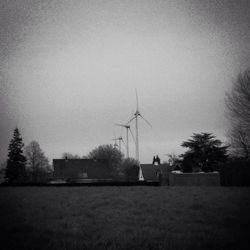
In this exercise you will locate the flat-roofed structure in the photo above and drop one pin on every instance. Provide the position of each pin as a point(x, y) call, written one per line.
point(82, 169)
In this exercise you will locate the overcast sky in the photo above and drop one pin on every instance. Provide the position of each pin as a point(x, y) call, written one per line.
point(69, 69)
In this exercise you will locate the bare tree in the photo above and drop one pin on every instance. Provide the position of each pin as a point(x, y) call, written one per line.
point(173, 159)
point(239, 141)
point(37, 162)
point(238, 107)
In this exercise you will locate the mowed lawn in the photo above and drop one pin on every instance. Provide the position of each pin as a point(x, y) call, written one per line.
point(135, 217)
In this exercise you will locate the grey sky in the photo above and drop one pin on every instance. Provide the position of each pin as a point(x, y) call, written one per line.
point(69, 69)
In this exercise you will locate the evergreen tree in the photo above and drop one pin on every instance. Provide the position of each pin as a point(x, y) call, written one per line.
point(15, 170)
point(204, 152)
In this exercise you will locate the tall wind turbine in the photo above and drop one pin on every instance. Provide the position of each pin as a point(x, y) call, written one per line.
point(137, 114)
point(127, 127)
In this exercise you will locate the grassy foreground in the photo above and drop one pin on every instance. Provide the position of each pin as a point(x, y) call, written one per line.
point(124, 217)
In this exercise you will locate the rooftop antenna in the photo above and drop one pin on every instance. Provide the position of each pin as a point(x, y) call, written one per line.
point(135, 117)
point(128, 129)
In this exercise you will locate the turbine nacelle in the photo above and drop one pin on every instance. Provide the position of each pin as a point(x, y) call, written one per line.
point(137, 113)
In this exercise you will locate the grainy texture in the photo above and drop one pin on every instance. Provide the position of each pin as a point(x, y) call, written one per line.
point(124, 217)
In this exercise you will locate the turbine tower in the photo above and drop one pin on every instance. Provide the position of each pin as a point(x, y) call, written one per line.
point(135, 117)
point(127, 127)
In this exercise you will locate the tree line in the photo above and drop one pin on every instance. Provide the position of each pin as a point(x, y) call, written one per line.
point(30, 165)
point(26, 164)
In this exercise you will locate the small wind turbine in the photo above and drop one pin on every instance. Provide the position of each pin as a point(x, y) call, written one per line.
point(136, 115)
point(119, 139)
point(127, 127)
point(115, 144)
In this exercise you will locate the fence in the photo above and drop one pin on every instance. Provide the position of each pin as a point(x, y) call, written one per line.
point(194, 179)
point(235, 173)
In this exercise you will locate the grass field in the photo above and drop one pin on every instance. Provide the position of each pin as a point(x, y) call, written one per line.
point(125, 217)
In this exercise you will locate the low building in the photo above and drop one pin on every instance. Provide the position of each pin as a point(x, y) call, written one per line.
point(78, 170)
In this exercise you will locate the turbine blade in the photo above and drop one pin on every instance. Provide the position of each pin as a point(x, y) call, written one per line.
point(137, 103)
point(131, 120)
point(123, 141)
point(121, 125)
point(146, 121)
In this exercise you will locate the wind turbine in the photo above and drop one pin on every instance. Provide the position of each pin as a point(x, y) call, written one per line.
point(127, 127)
point(137, 114)
point(119, 139)
point(115, 144)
